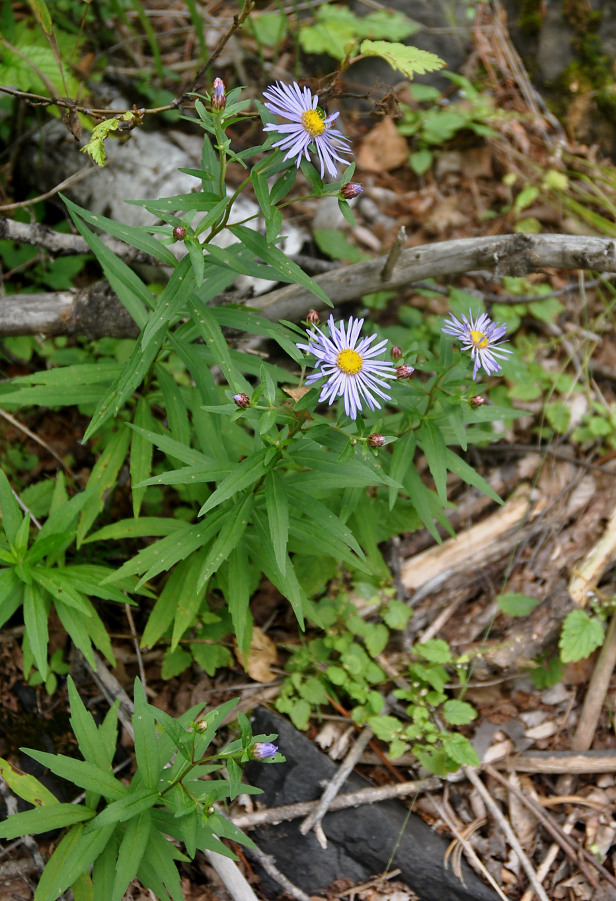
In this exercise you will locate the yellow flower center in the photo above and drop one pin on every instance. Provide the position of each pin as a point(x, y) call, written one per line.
point(349, 362)
point(313, 123)
point(479, 340)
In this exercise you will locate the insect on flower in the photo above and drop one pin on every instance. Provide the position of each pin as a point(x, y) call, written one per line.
point(349, 366)
point(308, 125)
point(482, 337)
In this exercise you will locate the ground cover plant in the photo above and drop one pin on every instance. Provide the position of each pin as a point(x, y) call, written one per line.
point(293, 466)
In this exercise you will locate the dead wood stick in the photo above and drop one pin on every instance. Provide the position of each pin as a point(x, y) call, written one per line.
point(561, 762)
point(596, 692)
point(370, 795)
point(505, 826)
point(333, 787)
point(587, 574)
point(503, 255)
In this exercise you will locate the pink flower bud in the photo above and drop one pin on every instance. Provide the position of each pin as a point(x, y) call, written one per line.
point(312, 317)
point(396, 352)
point(350, 190)
point(179, 233)
point(242, 400)
point(376, 440)
point(219, 100)
point(404, 372)
point(477, 401)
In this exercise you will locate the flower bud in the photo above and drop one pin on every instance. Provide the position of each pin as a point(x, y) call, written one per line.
point(262, 750)
point(242, 400)
point(404, 372)
point(312, 317)
point(376, 440)
point(350, 190)
point(396, 352)
point(219, 100)
point(477, 401)
point(179, 233)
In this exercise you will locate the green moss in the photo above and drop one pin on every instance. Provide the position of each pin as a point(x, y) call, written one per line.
point(530, 19)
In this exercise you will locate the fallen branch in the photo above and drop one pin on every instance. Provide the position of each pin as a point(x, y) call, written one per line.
point(502, 255)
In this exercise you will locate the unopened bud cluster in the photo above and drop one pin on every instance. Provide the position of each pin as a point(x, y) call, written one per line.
point(242, 400)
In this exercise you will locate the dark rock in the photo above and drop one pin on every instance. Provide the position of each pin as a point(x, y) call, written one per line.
point(362, 842)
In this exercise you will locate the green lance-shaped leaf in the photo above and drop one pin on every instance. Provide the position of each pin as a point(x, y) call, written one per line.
point(141, 452)
point(215, 342)
point(26, 786)
point(36, 615)
point(9, 509)
point(237, 594)
point(11, 594)
point(132, 849)
point(157, 870)
point(146, 739)
point(133, 803)
point(434, 448)
point(461, 468)
point(246, 474)
point(287, 270)
point(102, 478)
point(104, 870)
point(409, 60)
point(74, 856)
point(277, 506)
point(55, 583)
point(85, 730)
point(42, 819)
point(230, 535)
point(80, 772)
point(136, 237)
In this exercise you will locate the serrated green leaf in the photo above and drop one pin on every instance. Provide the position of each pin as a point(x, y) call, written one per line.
point(581, 635)
point(264, 558)
point(458, 713)
point(459, 748)
point(25, 786)
point(435, 651)
point(157, 867)
point(409, 60)
point(324, 517)
point(83, 631)
point(55, 583)
point(43, 819)
point(515, 604)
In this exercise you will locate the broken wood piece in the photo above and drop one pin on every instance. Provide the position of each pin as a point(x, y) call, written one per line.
point(596, 692)
point(587, 574)
point(493, 535)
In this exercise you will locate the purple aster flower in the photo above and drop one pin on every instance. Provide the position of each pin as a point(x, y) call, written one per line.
point(349, 367)
point(262, 750)
point(482, 337)
point(307, 125)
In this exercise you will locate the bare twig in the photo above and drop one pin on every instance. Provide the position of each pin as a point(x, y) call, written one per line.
point(268, 864)
point(370, 795)
point(314, 818)
point(596, 692)
point(394, 255)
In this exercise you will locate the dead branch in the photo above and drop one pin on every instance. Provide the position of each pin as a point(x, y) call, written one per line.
point(502, 255)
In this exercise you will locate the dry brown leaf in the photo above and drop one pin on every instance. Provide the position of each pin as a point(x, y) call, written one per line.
point(296, 393)
point(383, 149)
point(261, 656)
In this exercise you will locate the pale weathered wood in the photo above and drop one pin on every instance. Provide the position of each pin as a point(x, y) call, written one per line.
point(502, 255)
